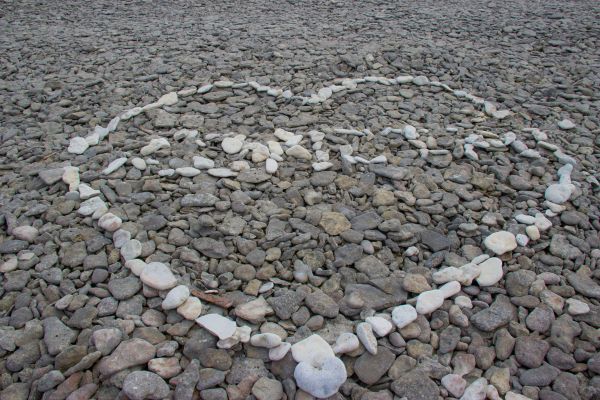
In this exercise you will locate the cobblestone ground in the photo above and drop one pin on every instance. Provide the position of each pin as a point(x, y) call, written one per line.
point(338, 199)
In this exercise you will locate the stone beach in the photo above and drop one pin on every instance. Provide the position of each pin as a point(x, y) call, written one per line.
point(238, 207)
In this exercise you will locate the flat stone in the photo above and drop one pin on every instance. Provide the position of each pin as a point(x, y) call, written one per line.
point(500, 313)
point(129, 353)
point(435, 240)
point(370, 368)
point(158, 276)
point(500, 242)
point(218, 325)
point(57, 336)
point(141, 385)
point(176, 297)
point(334, 223)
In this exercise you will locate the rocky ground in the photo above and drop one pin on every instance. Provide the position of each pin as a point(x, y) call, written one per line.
point(365, 200)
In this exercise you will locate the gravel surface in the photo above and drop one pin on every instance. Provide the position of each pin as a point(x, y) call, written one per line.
point(361, 200)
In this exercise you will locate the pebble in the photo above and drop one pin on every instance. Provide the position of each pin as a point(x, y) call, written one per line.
point(566, 124)
point(158, 276)
point(109, 222)
point(176, 297)
point(500, 242)
point(220, 326)
point(404, 315)
point(559, 193)
point(491, 272)
point(429, 301)
point(78, 145)
point(364, 331)
point(266, 340)
point(346, 343)
point(323, 380)
point(190, 309)
point(140, 385)
point(232, 145)
point(114, 165)
point(381, 326)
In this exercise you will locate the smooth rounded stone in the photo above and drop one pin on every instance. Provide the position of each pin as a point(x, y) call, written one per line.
point(49, 381)
point(346, 343)
point(203, 162)
point(190, 309)
point(267, 389)
point(522, 240)
point(322, 166)
point(141, 385)
point(476, 390)
point(91, 206)
point(271, 166)
point(517, 396)
point(312, 350)
point(364, 331)
point(176, 297)
point(166, 172)
point(577, 307)
point(188, 172)
point(77, 145)
point(404, 315)
point(110, 222)
point(525, 219)
point(158, 276)
point(370, 368)
point(218, 325)
point(322, 380)
point(266, 340)
point(124, 288)
point(559, 193)
point(27, 233)
point(105, 340)
point(463, 302)
point(450, 289)
point(447, 275)
point(500, 242)
point(533, 232)
point(297, 151)
point(428, 302)
point(131, 249)
point(232, 145)
point(566, 124)
point(410, 132)
point(9, 265)
point(154, 146)
point(334, 223)
point(139, 163)
point(381, 326)
point(136, 266)
point(454, 384)
point(114, 165)
point(221, 172)
point(491, 272)
point(277, 353)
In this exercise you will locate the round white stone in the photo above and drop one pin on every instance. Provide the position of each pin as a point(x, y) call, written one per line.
point(403, 315)
point(232, 145)
point(559, 193)
point(501, 242)
point(188, 172)
point(136, 266)
point(203, 162)
point(450, 289)
point(429, 301)
point(78, 145)
point(312, 350)
point(491, 272)
point(267, 340)
point(566, 124)
point(300, 152)
point(131, 249)
point(176, 297)
point(346, 343)
point(139, 163)
point(322, 380)
point(158, 276)
point(381, 326)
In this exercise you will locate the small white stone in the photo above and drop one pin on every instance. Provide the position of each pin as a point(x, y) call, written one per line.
point(525, 219)
point(346, 343)
point(381, 326)
point(300, 152)
point(404, 315)
point(158, 276)
point(410, 132)
point(188, 172)
point(429, 301)
point(168, 99)
point(25, 232)
point(491, 272)
point(566, 124)
point(322, 380)
point(501, 242)
point(294, 140)
point(378, 160)
point(139, 163)
point(559, 193)
point(450, 289)
point(176, 297)
point(77, 145)
point(203, 162)
point(71, 177)
point(136, 266)
point(277, 353)
point(577, 307)
point(364, 331)
point(190, 309)
point(232, 145)
point(166, 172)
point(114, 165)
point(283, 135)
point(275, 147)
point(271, 166)
point(130, 250)
point(110, 222)
point(469, 272)
point(239, 165)
point(522, 240)
point(205, 89)
point(9, 265)
point(447, 275)
point(86, 192)
point(541, 223)
point(154, 145)
point(218, 325)
point(312, 350)
point(267, 340)
point(221, 172)
point(322, 166)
